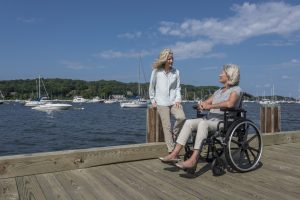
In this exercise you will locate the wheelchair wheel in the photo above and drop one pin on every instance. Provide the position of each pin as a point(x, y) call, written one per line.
point(218, 167)
point(244, 145)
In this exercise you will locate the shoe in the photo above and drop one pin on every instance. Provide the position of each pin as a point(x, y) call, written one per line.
point(190, 170)
point(169, 160)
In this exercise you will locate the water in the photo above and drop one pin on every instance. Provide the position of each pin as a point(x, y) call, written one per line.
point(24, 130)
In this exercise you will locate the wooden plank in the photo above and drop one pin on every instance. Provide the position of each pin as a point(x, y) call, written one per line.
point(111, 184)
point(29, 188)
point(76, 186)
point(101, 182)
point(8, 189)
point(179, 180)
point(52, 188)
point(20, 165)
point(147, 185)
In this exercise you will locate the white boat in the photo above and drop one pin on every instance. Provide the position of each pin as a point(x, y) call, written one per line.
point(33, 103)
point(52, 106)
point(96, 100)
point(2, 98)
point(40, 100)
point(109, 101)
point(134, 104)
point(79, 99)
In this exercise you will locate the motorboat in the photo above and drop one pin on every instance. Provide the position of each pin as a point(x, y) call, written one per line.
point(96, 100)
point(134, 104)
point(52, 106)
point(79, 99)
point(110, 101)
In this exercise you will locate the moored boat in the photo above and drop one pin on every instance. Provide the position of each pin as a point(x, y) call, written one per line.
point(52, 106)
point(134, 104)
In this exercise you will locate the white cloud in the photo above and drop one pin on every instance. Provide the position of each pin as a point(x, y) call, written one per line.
point(134, 35)
point(28, 20)
point(286, 77)
point(250, 20)
point(195, 49)
point(277, 43)
point(119, 54)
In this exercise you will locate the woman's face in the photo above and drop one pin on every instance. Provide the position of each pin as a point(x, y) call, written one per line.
point(169, 62)
point(223, 77)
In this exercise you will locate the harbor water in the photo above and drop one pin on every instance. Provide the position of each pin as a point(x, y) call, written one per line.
point(24, 130)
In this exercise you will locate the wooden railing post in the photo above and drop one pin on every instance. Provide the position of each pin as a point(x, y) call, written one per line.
point(270, 118)
point(154, 126)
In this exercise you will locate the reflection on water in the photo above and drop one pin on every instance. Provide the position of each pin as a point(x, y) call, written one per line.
point(24, 130)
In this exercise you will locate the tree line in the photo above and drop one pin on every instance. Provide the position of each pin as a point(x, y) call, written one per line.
point(68, 88)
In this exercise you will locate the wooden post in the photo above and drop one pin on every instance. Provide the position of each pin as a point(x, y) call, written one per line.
point(270, 118)
point(154, 127)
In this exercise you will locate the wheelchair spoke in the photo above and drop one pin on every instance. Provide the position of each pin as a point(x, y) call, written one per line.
point(236, 142)
point(242, 155)
point(251, 148)
point(251, 138)
point(238, 150)
point(254, 156)
point(248, 157)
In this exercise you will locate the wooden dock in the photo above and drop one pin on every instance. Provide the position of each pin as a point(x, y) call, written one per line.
point(132, 177)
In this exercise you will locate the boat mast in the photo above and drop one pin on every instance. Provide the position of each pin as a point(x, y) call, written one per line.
point(39, 87)
point(139, 83)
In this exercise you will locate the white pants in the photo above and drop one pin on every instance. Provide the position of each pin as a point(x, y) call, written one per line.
point(164, 113)
point(202, 126)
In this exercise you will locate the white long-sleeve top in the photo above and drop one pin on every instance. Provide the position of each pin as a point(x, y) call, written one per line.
point(165, 87)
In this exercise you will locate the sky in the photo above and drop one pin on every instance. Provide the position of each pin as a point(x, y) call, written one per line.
point(109, 39)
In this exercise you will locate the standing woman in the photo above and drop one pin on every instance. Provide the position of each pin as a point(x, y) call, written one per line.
point(164, 92)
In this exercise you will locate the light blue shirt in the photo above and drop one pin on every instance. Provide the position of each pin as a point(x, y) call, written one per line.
point(220, 96)
point(165, 87)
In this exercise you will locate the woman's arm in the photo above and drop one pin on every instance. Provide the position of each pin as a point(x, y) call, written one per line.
point(230, 103)
point(152, 86)
point(178, 89)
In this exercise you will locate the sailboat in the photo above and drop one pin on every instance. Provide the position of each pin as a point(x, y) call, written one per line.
point(39, 100)
point(137, 103)
point(2, 98)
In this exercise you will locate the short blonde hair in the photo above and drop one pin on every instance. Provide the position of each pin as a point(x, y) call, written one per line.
point(162, 59)
point(233, 73)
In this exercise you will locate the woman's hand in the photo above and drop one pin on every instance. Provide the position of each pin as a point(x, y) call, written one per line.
point(204, 105)
point(178, 105)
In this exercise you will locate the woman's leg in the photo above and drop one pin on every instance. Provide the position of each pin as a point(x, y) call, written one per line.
point(204, 127)
point(189, 126)
point(164, 113)
point(179, 119)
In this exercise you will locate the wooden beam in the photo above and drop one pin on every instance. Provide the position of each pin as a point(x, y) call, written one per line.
point(20, 165)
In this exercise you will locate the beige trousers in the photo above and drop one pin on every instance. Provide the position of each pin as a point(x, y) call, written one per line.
point(165, 113)
point(199, 126)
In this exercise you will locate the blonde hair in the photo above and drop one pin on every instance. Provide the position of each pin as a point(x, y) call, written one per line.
point(233, 73)
point(162, 59)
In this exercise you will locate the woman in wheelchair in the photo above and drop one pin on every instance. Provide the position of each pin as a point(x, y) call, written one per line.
point(227, 96)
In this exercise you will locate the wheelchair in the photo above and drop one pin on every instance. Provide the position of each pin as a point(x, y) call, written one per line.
point(236, 145)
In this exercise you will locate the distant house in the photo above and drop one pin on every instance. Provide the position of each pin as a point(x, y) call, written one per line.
point(118, 96)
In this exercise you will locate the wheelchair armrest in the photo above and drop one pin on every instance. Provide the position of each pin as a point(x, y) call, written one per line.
point(232, 109)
